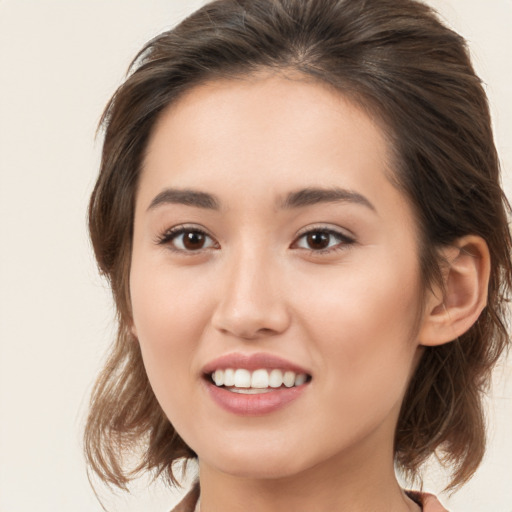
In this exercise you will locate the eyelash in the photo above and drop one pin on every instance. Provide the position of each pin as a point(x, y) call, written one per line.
point(169, 236)
point(344, 241)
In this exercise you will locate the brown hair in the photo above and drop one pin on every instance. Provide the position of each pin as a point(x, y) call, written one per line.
point(395, 59)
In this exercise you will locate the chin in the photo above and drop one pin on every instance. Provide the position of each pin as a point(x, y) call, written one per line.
point(255, 463)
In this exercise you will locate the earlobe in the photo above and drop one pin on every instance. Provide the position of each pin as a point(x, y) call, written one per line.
point(452, 309)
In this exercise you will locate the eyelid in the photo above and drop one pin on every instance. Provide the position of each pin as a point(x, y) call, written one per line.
point(346, 238)
point(167, 236)
point(328, 228)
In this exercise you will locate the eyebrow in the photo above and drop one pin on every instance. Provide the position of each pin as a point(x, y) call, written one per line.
point(187, 197)
point(298, 199)
point(314, 195)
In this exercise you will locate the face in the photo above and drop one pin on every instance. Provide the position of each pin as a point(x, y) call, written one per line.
point(270, 244)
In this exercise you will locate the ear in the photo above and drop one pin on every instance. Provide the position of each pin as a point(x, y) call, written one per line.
point(452, 309)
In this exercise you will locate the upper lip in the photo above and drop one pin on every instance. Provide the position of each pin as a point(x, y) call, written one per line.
point(252, 362)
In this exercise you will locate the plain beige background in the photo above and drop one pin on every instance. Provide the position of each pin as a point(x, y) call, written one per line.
point(60, 60)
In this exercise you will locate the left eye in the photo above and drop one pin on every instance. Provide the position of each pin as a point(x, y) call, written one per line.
point(321, 240)
point(188, 240)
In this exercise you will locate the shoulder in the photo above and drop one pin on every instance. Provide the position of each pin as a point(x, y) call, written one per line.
point(428, 502)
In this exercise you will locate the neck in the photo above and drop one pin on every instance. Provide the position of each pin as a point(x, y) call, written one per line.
point(367, 483)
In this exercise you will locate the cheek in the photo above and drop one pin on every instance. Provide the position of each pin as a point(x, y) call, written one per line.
point(364, 324)
point(168, 313)
point(362, 302)
point(167, 305)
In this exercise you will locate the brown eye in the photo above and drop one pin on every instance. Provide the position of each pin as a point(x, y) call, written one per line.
point(318, 240)
point(193, 240)
point(184, 239)
point(323, 240)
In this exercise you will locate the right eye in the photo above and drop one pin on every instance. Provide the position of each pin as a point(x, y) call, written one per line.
point(323, 240)
point(187, 239)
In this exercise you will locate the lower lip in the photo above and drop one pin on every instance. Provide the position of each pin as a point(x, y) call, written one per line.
point(257, 404)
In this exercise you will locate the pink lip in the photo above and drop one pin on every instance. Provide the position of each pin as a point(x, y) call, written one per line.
point(251, 362)
point(253, 405)
point(257, 404)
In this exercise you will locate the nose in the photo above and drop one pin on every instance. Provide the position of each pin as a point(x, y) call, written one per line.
point(252, 301)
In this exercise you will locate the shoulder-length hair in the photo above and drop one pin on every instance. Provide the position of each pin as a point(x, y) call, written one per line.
point(393, 58)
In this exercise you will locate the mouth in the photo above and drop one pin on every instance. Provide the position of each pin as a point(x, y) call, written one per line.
point(254, 384)
point(262, 380)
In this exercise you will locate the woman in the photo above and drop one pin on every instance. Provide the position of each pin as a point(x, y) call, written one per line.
point(300, 215)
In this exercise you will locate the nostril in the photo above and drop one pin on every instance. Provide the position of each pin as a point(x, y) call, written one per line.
point(251, 313)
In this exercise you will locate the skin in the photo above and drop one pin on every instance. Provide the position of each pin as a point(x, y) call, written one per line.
point(352, 315)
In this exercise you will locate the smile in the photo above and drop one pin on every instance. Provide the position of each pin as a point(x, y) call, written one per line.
point(254, 384)
point(262, 380)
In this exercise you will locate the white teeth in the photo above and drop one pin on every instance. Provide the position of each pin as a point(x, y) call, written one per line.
point(259, 379)
point(218, 377)
point(276, 379)
point(289, 379)
point(242, 378)
point(229, 377)
point(299, 379)
point(251, 391)
point(244, 381)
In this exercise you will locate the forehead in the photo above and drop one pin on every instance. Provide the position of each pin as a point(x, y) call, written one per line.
point(267, 108)
point(266, 135)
